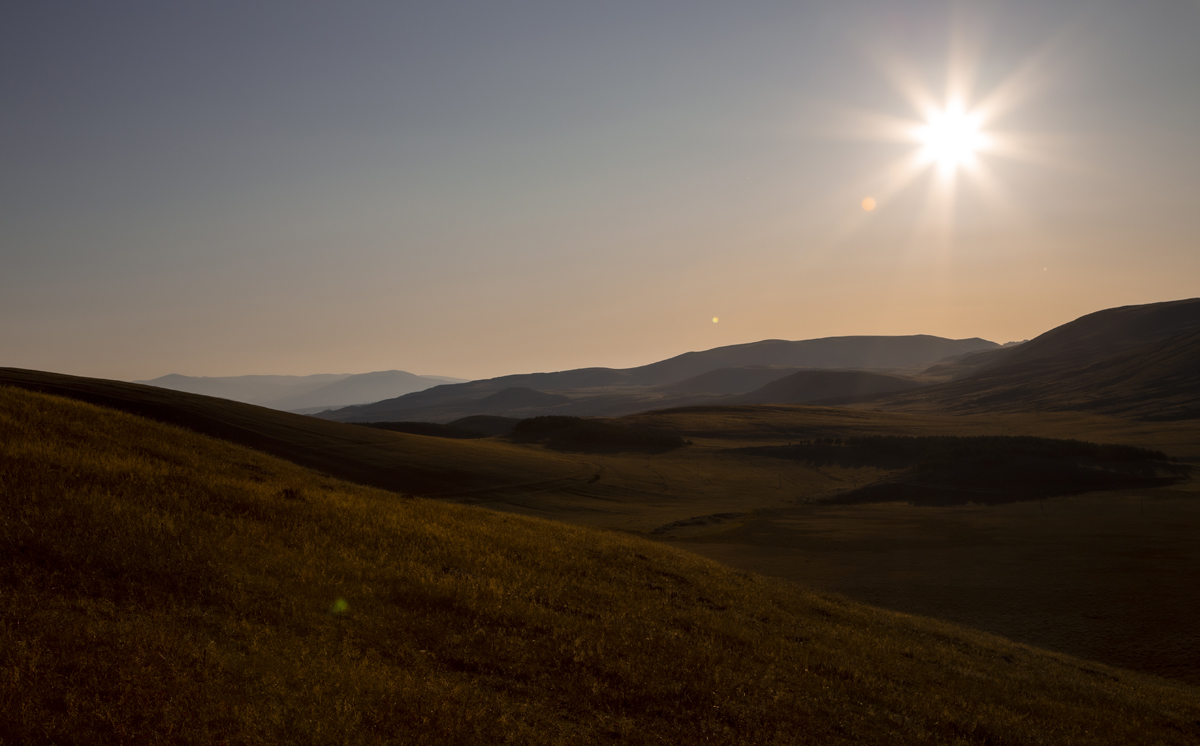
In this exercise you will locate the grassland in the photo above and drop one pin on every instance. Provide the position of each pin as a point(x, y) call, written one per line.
point(160, 586)
point(1106, 576)
point(1094, 607)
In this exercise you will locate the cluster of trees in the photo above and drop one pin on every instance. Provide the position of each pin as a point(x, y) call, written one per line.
point(428, 428)
point(561, 430)
point(933, 451)
point(944, 469)
point(555, 430)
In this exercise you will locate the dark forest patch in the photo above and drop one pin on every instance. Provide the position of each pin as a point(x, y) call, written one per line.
point(949, 470)
point(579, 433)
point(432, 429)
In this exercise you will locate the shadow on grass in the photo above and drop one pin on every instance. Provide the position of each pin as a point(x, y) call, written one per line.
point(580, 435)
point(950, 470)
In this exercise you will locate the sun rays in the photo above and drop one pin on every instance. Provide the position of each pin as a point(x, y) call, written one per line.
point(952, 138)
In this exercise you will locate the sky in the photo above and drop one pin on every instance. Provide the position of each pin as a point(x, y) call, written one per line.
point(475, 189)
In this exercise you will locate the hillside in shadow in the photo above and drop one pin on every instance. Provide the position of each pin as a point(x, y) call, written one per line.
point(989, 470)
point(161, 586)
point(1131, 362)
point(821, 385)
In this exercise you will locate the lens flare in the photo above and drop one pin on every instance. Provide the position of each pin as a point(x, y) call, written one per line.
point(951, 136)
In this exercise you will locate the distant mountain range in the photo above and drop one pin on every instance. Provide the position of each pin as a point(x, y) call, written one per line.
point(1137, 361)
point(713, 376)
point(304, 393)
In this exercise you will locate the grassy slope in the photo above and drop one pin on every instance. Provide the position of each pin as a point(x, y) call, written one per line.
point(395, 461)
point(161, 586)
point(1153, 381)
point(629, 490)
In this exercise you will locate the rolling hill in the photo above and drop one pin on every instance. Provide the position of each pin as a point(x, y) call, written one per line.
point(291, 393)
point(820, 385)
point(165, 587)
point(691, 378)
point(359, 389)
point(395, 461)
point(249, 389)
point(829, 352)
point(723, 473)
point(1103, 334)
point(724, 381)
point(1134, 361)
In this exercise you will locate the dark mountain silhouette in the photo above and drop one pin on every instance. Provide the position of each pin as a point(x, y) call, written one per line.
point(519, 397)
point(961, 366)
point(1106, 333)
point(1138, 361)
point(819, 385)
point(612, 392)
point(828, 352)
point(728, 380)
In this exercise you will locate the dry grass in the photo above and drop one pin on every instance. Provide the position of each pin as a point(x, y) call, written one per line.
point(158, 586)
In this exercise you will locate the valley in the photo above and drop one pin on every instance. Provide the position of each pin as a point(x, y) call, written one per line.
point(1064, 524)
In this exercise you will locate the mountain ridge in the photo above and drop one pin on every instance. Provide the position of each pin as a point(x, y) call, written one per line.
point(650, 386)
point(1133, 361)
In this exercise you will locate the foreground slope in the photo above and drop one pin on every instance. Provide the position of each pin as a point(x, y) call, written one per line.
point(161, 586)
point(395, 461)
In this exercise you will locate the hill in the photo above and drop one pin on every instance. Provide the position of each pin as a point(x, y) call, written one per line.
point(1103, 334)
point(828, 352)
point(819, 385)
point(729, 380)
point(1133, 361)
point(164, 587)
point(683, 380)
point(359, 389)
point(291, 393)
point(390, 460)
point(770, 507)
point(249, 389)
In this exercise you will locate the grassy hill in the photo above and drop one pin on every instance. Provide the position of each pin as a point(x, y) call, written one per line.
point(636, 491)
point(160, 586)
point(1156, 380)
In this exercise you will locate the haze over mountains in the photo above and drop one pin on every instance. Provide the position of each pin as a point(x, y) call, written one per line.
point(690, 378)
point(1135, 360)
point(303, 393)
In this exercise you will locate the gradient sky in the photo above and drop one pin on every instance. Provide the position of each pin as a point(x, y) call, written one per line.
point(480, 188)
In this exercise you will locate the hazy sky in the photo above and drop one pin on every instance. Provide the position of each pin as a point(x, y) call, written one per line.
point(481, 188)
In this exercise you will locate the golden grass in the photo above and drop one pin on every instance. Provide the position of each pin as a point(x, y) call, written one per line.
point(159, 586)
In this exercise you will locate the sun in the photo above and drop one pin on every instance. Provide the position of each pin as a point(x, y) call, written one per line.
point(951, 137)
